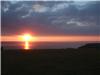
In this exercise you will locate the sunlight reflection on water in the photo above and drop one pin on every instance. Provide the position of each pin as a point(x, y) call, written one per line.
point(26, 45)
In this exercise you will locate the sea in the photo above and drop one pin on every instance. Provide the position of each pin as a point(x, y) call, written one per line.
point(43, 45)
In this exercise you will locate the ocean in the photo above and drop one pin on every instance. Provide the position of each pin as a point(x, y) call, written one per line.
point(43, 45)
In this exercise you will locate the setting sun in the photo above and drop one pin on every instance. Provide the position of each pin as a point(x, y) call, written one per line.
point(27, 37)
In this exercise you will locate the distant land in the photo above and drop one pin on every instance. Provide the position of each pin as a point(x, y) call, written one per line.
point(84, 60)
point(91, 45)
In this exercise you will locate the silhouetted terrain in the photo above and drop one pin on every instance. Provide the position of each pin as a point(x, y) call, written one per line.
point(81, 61)
point(91, 45)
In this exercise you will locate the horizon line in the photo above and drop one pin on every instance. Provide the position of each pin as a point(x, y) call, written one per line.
point(66, 38)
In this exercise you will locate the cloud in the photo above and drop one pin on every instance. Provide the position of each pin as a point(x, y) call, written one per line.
point(65, 22)
point(77, 23)
point(80, 4)
point(6, 7)
point(40, 8)
point(25, 16)
point(28, 14)
point(70, 20)
point(74, 21)
point(59, 7)
point(21, 7)
point(13, 1)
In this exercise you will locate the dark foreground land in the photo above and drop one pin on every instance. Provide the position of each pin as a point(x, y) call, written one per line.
point(82, 61)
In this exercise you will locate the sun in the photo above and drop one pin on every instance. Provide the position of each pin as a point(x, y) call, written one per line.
point(27, 37)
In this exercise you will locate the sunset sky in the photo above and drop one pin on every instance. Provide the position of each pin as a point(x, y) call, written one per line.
point(51, 18)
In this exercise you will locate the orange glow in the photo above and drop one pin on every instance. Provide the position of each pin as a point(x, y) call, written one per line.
point(27, 37)
point(26, 45)
point(70, 38)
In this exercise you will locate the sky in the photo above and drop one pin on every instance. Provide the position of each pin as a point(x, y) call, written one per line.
point(50, 17)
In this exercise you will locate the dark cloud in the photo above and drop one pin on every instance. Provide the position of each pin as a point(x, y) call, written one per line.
point(51, 18)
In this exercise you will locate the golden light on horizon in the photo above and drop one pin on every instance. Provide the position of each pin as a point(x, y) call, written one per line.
point(26, 45)
point(27, 38)
point(66, 38)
